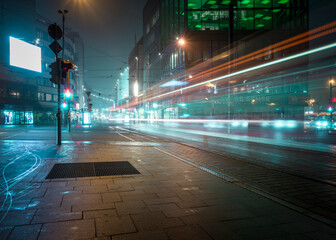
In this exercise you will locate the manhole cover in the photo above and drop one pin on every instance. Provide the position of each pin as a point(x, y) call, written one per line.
point(92, 169)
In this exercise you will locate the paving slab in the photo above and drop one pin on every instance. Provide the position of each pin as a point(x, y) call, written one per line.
point(29, 232)
point(78, 229)
point(114, 225)
point(170, 199)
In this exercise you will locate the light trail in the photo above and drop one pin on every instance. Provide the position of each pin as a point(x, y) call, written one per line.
point(270, 122)
point(293, 41)
point(288, 143)
point(13, 181)
point(285, 44)
point(306, 53)
point(11, 162)
point(8, 193)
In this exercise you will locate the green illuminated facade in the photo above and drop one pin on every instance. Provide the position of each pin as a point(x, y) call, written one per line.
point(247, 14)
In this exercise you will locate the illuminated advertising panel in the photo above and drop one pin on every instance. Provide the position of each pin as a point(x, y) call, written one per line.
point(86, 118)
point(24, 55)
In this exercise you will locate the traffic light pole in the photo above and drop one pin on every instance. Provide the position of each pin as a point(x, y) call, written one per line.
point(68, 78)
point(59, 124)
point(69, 115)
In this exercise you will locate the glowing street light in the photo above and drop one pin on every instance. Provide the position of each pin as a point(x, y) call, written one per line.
point(181, 42)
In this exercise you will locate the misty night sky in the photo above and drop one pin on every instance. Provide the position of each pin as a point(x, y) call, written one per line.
point(108, 29)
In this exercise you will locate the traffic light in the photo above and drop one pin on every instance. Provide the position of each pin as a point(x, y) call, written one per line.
point(64, 104)
point(54, 72)
point(67, 93)
point(330, 109)
point(90, 107)
point(66, 65)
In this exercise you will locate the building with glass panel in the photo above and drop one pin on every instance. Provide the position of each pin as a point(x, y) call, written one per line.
point(26, 96)
point(230, 28)
point(208, 26)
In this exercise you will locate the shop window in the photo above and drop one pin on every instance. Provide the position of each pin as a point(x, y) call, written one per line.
point(29, 118)
point(9, 117)
point(19, 118)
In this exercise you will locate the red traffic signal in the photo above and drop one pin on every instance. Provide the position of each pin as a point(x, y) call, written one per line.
point(67, 93)
point(66, 65)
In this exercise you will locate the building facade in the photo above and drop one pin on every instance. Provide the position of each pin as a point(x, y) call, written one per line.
point(231, 29)
point(18, 88)
point(135, 64)
point(29, 97)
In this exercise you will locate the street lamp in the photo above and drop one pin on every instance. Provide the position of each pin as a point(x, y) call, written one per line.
point(181, 42)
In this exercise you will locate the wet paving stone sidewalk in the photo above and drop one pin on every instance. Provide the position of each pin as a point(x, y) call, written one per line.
point(169, 199)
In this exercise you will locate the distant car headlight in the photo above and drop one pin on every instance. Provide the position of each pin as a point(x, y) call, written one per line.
point(324, 124)
point(318, 123)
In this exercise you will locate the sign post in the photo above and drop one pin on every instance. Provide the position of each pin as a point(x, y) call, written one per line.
point(55, 33)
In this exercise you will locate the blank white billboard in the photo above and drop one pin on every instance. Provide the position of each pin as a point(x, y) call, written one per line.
point(24, 55)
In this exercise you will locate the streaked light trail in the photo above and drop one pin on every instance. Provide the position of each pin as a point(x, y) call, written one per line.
point(285, 59)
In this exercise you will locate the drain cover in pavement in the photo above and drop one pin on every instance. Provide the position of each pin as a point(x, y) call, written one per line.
point(93, 169)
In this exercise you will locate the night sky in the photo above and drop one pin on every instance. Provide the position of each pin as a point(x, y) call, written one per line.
point(108, 29)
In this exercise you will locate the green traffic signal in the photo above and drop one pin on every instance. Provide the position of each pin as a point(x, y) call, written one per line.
point(67, 93)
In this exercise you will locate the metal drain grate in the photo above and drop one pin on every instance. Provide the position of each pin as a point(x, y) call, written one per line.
point(92, 169)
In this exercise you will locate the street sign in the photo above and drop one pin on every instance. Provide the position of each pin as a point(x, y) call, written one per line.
point(55, 47)
point(55, 32)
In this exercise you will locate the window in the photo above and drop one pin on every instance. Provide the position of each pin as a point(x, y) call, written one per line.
point(40, 96)
point(48, 97)
point(14, 93)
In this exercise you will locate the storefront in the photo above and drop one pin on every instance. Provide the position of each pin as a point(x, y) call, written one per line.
point(18, 117)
